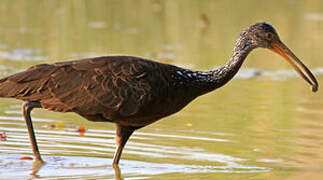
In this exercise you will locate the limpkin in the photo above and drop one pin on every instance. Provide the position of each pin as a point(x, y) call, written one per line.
point(132, 92)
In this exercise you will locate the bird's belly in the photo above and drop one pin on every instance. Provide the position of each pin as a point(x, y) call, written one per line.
point(155, 111)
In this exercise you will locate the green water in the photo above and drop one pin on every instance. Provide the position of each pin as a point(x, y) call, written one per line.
point(265, 124)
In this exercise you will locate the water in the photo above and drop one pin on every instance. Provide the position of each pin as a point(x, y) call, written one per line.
point(265, 124)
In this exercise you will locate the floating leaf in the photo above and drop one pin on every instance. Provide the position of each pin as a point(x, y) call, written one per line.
point(26, 158)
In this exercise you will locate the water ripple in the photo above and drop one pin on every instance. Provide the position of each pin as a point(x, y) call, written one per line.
point(81, 167)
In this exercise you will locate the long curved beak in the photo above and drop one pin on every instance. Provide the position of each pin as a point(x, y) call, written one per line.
point(281, 49)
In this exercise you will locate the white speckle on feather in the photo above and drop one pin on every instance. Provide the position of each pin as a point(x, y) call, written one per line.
point(179, 73)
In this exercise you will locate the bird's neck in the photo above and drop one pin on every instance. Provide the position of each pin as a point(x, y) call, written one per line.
point(224, 74)
point(201, 82)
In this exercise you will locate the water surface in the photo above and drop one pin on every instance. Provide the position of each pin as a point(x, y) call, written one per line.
point(265, 124)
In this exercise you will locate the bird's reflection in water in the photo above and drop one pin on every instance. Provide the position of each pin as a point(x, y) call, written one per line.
point(37, 165)
point(117, 172)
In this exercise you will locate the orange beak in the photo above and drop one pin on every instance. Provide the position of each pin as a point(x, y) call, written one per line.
point(281, 49)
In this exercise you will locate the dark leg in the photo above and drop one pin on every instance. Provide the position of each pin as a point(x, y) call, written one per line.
point(122, 136)
point(26, 109)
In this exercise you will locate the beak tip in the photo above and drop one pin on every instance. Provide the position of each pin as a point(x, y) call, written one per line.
point(314, 88)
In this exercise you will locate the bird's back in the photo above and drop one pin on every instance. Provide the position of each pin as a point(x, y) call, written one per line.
point(123, 89)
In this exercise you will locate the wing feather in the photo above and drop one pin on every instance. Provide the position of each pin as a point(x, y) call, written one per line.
point(109, 86)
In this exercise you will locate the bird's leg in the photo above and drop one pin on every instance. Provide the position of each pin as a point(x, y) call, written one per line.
point(122, 136)
point(26, 109)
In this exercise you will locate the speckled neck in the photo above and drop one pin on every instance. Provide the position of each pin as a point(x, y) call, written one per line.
point(201, 82)
point(225, 73)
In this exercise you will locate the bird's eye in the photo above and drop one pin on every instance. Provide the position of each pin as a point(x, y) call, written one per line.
point(269, 36)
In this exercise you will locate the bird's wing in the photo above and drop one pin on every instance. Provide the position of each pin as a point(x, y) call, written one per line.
point(27, 85)
point(92, 86)
point(98, 85)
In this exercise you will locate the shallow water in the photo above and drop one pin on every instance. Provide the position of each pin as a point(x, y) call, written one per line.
point(265, 124)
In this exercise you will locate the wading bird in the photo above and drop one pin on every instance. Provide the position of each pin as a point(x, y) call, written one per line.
point(132, 92)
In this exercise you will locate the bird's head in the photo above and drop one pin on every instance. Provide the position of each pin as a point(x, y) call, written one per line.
point(264, 35)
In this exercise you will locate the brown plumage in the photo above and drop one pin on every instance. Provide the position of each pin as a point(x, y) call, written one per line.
point(130, 91)
point(120, 89)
